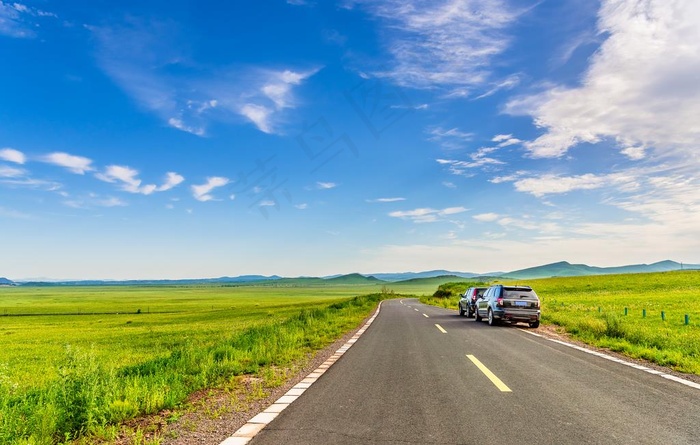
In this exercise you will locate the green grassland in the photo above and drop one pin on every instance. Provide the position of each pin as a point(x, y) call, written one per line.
point(592, 309)
point(76, 360)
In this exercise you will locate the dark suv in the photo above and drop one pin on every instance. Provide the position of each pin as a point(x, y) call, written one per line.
point(468, 300)
point(509, 303)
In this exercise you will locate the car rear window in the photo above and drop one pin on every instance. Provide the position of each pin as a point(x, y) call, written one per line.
point(527, 294)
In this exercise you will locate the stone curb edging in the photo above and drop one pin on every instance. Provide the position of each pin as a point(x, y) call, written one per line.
point(620, 361)
point(246, 433)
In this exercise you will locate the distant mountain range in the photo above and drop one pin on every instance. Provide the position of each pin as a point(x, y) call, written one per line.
point(565, 269)
point(560, 269)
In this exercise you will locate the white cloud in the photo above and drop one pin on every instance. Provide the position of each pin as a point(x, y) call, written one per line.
point(640, 90)
point(274, 94)
point(303, 206)
point(486, 217)
point(259, 115)
point(426, 215)
point(326, 185)
point(172, 179)
point(76, 164)
point(128, 178)
point(12, 155)
point(202, 192)
point(634, 153)
point(443, 43)
point(129, 181)
point(547, 184)
point(180, 125)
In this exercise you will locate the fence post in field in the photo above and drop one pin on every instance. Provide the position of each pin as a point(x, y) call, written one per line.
point(687, 319)
point(625, 311)
point(644, 313)
point(663, 316)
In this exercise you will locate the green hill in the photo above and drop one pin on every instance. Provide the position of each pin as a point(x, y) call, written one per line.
point(353, 278)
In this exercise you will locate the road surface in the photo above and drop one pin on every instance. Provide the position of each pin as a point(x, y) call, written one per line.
point(423, 375)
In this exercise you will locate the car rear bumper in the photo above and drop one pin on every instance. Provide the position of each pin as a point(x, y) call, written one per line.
point(517, 315)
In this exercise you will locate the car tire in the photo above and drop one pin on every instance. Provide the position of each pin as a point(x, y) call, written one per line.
point(470, 313)
point(461, 312)
point(492, 321)
point(534, 324)
point(477, 317)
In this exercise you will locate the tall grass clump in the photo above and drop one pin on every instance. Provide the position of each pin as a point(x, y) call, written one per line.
point(447, 295)
point(89, 395)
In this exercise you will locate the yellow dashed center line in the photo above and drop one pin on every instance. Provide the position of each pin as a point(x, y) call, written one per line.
point(487, 372)
point(440, 328)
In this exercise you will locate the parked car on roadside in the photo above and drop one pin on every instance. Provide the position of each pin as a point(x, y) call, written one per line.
point(468, 299)
point(509, 303)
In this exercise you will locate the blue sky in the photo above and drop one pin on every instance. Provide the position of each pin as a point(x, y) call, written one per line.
point(199, 139)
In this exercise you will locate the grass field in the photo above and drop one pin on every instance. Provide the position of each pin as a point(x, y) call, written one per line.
point(592, 309)
point(76, 360)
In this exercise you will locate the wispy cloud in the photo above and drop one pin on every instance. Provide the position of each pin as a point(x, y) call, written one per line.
point(386, 200)
point(14, 214)
point(143, 57)
point(426, 215)
point(11, 172)
point(479, 159)
point(76, 164)
point(448, 43)
point(640, 90)
point(94, 201)
point(12, 155)
point(31, 183)
point(326, 185)
point(273, 95)
point(202, 192)
point(486, 217)
point(19, 20)
point(450, 139)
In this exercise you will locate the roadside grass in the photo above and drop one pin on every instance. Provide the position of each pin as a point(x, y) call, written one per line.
point(68, 377)
point(592, 309)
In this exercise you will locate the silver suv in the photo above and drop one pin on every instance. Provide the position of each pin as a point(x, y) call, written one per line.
point(509, 303)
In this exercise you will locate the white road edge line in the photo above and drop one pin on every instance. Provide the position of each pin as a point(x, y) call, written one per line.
point(620, 361)
point(246, 433)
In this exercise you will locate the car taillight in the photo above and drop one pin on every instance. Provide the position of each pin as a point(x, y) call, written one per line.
point(499, 302)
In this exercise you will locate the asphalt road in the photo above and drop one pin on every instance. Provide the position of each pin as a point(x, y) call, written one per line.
point(407, 382)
